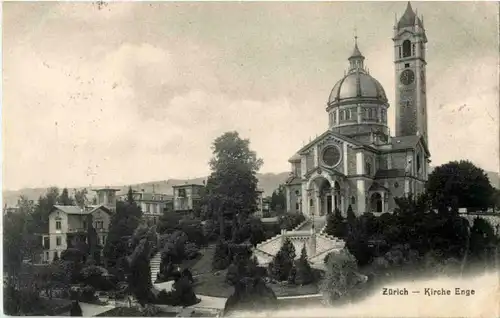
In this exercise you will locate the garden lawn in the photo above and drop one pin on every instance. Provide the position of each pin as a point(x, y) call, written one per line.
point(211, 285)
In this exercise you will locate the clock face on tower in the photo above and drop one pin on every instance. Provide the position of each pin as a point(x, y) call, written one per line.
point(407, 77)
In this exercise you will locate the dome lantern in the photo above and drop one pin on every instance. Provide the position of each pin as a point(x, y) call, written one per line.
point(356, 59)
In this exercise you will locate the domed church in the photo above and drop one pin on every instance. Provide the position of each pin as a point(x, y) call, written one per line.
point(356, 162)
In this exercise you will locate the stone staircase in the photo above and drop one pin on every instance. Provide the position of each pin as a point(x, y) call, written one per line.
point(154, 263)
point(300, 235)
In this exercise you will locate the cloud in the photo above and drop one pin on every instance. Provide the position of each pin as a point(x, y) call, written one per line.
point(136, 92)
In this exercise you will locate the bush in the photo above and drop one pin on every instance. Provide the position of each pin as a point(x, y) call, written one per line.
point(221, 259)
point(88, 294)
point(97, 277)
point(72, 255)
point(289, 221)
point(304, 274)
point(191, 251)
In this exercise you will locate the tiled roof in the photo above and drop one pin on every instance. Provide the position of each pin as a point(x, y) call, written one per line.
point(71, 209)
point(404, 142)
point(389, 173)
point(294, 180)
point(377, 186)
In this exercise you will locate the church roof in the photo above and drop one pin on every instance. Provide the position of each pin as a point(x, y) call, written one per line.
point(293, 180)
point(356, 53)
point(295, 158)
point(406, 142)
point(334, 134)
point(377, 186)
point(409, 18)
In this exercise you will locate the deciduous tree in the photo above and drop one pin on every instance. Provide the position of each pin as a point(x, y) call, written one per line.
point(232, 184)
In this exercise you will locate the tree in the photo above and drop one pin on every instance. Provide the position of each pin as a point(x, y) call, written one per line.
point(13, 228)
point(92, 241)
point(278, 199)
point(123, 224)
point(81, 197)
point(482, 240)
point(251, 294)
point(282, 263)
point(221, 258)
point(130, 196)
point(304, 274)
point(459, 184)
point(139, 278)
point(341, 277)
point(64, 198)
point(232, 184)
point(335, 224)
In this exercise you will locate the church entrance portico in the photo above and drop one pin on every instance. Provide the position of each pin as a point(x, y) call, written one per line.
point(324, 195)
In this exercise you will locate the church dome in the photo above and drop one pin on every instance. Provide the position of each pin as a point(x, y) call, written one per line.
point(357, 84)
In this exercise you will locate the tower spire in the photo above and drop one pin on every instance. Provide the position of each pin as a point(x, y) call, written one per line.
point(356, 59)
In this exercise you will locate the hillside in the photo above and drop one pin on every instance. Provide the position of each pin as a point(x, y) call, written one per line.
point(267, 182)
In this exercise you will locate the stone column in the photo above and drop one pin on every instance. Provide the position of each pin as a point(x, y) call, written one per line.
point(288, 199)
point(312, 244)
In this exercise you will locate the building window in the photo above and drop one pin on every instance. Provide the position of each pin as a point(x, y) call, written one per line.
point(399, 51)
point(58, 241)
point(368, 168)
point(99, 224)
point(84, 224)
point(347, 114)
point(296, 205)
point(407, 65)
point(406, 48)
point(182, 193)
point(383, 114)
point(46, 256)
point(396, 185)
point(148, 207)
point(341, 115)
point(58, 225)
point(418, 164)
point(334, 117)
point(297, 192)
point(353, 200)
point(413, 49)
point(311, 202)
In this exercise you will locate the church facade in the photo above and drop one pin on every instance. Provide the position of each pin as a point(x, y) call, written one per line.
point(356, 162)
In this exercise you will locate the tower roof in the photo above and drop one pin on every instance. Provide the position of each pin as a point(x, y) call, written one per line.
point(356, 53)
point(409, 18)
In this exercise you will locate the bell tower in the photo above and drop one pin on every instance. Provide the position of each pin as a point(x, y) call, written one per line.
point(410, 72)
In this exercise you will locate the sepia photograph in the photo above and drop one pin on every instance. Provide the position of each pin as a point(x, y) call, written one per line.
point(251, 159)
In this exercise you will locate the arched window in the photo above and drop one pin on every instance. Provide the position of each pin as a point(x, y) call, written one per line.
point(418, 163)
point(335, 117)
point(382, 113)
point(406, 48)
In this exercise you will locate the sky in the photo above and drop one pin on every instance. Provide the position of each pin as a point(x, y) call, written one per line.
point(136, 92)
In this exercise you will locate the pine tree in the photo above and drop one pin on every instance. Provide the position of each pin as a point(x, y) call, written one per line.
point(130, 196)
point(304, 271)
point(221, 256)
point(335, 224)
point(282, 263)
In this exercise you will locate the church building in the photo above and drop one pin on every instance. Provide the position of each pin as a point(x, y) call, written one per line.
point(356, 162)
